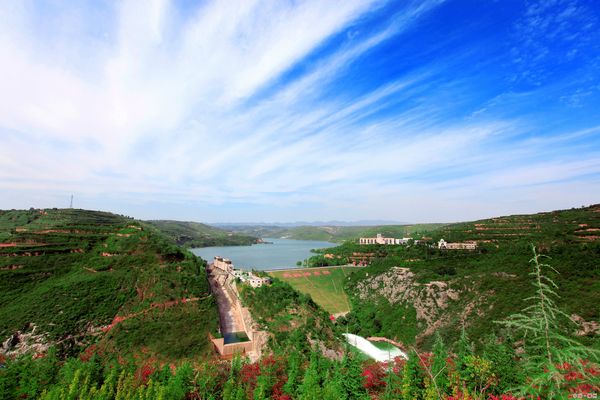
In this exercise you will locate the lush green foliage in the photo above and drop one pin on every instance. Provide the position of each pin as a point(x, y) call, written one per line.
point(547, 349)
point(90, 267)
point(195, 234)
point(292, 318)
point(76, 278)
point(334, 233)
point(492, 281)
point(282, 376)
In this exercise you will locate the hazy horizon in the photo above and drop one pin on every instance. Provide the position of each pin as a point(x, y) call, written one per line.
point(221, 112)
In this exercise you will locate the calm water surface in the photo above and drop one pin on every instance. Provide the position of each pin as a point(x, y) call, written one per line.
point(283, 253)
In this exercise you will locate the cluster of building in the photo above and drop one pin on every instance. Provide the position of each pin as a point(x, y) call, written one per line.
point(226, 265)
point(379, 239)
point(469, 245)
point(442, 244)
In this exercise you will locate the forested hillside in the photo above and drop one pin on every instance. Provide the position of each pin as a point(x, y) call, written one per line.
point(411, 293)
point(74, 278)
point(99, 306)
point(195, 234)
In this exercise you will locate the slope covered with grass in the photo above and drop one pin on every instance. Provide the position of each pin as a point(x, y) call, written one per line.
point(410, 293)
point(75, 278)
point(195, 234)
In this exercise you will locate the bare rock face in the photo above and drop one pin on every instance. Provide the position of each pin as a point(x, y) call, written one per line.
point(23, 342)
point(399, 285)
point(332, 354)
point(586, 328)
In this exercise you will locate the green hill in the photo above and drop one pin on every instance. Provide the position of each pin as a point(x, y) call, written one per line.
point(334, 234)
point(195, 234)
point(74, 278)
point(410, 293)
point(128, 314)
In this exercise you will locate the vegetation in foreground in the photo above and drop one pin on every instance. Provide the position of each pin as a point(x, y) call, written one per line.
point(545, 364)
point(507, 360)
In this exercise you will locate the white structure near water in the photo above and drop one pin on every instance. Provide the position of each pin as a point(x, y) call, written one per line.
point(226, 265)
point(379, 239)
point(373, 351)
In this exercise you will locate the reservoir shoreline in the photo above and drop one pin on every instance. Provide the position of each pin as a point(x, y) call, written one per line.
point(281, 254)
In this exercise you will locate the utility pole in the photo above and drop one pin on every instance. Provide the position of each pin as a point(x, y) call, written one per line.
point(71, 205)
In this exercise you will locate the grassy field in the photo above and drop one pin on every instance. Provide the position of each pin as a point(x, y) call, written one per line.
point(324, 285)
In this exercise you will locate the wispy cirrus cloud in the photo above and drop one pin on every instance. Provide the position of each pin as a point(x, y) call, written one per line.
point(307, 108)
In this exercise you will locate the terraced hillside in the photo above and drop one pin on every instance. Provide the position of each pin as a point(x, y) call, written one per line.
point(409, 293)
point(195, 234)
point(74, 278)
point(550, 228)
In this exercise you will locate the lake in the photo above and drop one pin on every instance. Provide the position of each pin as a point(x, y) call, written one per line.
point(283, 253)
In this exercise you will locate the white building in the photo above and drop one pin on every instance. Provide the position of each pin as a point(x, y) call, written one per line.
point(256, 281)
point(470, 245)
point(379, 239)
point(226, 265)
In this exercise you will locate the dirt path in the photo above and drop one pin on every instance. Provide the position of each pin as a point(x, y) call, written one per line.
point(118, 319)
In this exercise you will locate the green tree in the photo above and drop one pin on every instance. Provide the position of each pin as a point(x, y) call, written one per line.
point(412, 379)
point(293, 373)
point(353, 379)
point(333, 388)
point(464, 349)
point(393, 385)
point(229, 390)
point(505, 367)
point(310, 388)
point(439, 368)
point(263, 387)
point(548, 346)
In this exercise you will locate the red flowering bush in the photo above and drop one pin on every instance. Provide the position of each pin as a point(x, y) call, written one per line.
point(249, 374)
point(144, 372)
point(374, 376)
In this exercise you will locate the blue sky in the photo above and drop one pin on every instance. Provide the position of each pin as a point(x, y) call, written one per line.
point(301, 110)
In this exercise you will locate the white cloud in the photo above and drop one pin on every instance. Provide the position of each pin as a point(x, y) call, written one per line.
point(161, 104)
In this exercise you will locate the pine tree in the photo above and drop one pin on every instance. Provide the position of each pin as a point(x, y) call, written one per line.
point(411, 378)
point(464, 350)
point(181, 383)
point(310, 388)
point(293, 373)
point(333, 389)
point(228, 390)
point(439, 368)
point(505, 367)
point(393, 385)
point(547, 347)
point(263, 386)
point(240, 394)
point(353, 379)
